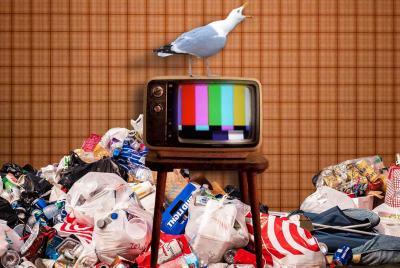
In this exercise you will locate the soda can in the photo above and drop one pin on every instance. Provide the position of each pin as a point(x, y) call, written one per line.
point(21, 212)
point(39, 203)
point(323, 247)
point(342, 256)
point(102, 265)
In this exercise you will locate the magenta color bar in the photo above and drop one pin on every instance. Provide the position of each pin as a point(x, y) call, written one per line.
point(227, 127)
point(201, 105)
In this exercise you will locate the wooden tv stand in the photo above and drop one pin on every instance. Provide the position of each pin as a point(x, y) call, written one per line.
point(247, 167)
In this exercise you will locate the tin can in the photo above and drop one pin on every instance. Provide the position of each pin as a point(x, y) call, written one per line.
point(102, 265)
point(10, 258)
point(39, 203)
point(21, 212)
point(366, 170)
point(342, 256)
point(323, 247)
point(121, 264)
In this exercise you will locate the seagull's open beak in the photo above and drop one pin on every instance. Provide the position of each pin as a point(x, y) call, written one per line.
point(243, 9)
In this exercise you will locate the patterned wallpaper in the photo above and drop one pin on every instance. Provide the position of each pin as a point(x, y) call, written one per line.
point(329, 70)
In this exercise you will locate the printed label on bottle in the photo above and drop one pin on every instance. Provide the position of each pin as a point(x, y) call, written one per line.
point(201, 199)
point(139, 174)
point(191, 260)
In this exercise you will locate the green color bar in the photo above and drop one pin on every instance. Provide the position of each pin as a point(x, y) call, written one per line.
point(239, 105)
point(214, 105)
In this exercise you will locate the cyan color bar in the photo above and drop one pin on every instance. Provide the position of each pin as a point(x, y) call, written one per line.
point(226, 105)
point(201, 105)
point(206, 128)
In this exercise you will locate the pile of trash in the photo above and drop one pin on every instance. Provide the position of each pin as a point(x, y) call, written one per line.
point(95, 209)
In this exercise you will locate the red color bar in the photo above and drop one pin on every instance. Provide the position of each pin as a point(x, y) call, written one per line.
point(188, 106)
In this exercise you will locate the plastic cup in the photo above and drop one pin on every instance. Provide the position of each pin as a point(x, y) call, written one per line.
point(19, 229)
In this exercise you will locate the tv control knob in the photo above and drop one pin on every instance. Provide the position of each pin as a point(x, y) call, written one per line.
point(157, 91)
point(158, 108)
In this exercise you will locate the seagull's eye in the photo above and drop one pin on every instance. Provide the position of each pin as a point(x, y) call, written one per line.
point(238, 11)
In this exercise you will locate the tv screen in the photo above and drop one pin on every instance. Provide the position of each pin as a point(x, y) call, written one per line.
point(217, 112)
point(202, 116)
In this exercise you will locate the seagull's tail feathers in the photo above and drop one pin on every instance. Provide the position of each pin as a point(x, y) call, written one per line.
point(165, 51)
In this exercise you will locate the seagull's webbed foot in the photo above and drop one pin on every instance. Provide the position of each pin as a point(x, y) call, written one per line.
point(192, 75)
point(208, 74)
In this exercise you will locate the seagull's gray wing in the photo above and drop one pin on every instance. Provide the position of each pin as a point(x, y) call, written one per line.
point(201, 42)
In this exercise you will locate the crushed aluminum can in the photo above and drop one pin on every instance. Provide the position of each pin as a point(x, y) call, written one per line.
point(342, 256)
point(102, 265)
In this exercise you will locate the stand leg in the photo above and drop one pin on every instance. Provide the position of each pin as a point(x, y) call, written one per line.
point(161, 180)
point(243, 187)
point(255, 213)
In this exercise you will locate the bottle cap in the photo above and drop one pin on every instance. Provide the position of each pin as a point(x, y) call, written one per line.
point(101, 224)
point(59, 205)
point(116, 152)
point(114, 216)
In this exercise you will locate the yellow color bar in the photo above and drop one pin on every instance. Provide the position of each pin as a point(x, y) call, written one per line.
point(239, 106)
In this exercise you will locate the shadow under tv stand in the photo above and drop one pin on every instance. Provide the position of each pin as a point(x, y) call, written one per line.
point(247, 168)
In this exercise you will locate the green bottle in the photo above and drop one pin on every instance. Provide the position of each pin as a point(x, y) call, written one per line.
point(8, 184)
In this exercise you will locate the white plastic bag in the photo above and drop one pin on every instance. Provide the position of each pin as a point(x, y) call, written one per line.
point(124, 237)
point(325, 198)
point(390, 220)
point(56, 193)
point(216, 229)
point(118, 133)
point(138, 125)
point(9, 239)
point(386, 210)
point(240, 235)
point(88, 257)
point(94, 192)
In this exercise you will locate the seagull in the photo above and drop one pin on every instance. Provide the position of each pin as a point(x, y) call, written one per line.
point(204, 42)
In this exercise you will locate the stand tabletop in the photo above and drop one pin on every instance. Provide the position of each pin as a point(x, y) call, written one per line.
point(254, 162)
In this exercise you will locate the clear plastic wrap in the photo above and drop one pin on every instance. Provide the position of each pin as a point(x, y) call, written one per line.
point(97, 192)
point(350, 176)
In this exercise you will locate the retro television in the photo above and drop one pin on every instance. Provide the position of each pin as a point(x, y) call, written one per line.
point(202, 117)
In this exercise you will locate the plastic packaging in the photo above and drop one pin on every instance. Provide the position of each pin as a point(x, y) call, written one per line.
point(142, 174)
point(52, 210)
point(325, 198)
point(128, 235)
point(117, 133)
point(97, 192)
point(216, 229)
point(186, 261)
point(138, 125)
point(142, 189)
point(11, 237)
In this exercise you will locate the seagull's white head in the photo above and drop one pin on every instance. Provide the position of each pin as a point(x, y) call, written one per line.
point(236, 14)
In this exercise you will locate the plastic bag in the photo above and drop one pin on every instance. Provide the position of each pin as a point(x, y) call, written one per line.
point(348, 173)
point(117, 133)
point(7, 213)
point(138, 125)
point(390, 220)
point(70, 175)
point(325, 198)
point(11, 238)
point(57, 194)
point(97, 192)
point(216, 229)
point(240, 235)
point(88, 257)
point(127, 236)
